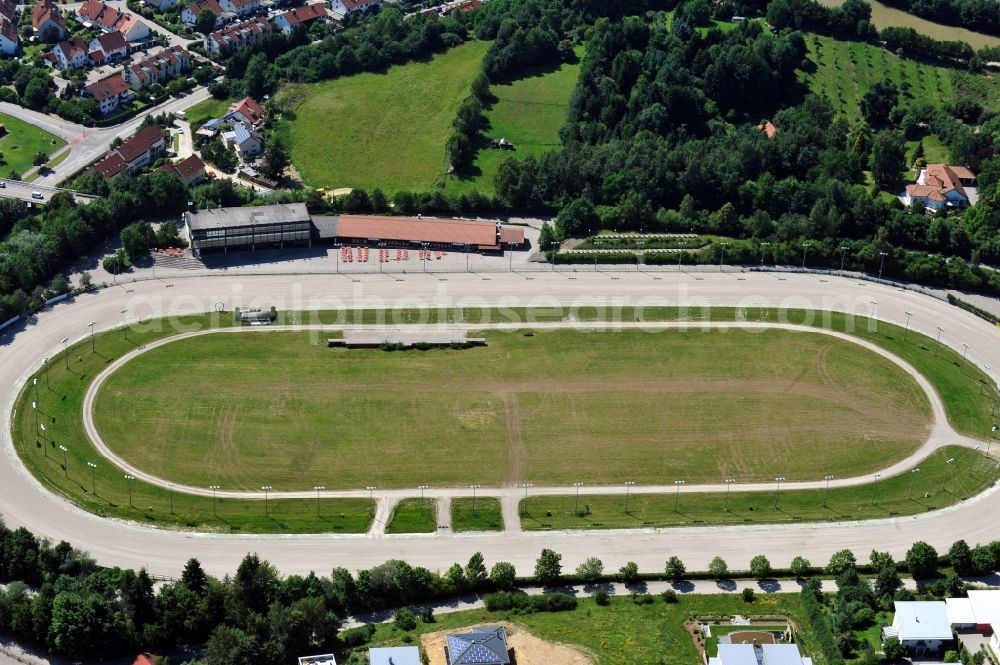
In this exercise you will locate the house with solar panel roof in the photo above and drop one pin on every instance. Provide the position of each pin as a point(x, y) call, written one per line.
point(486, 645)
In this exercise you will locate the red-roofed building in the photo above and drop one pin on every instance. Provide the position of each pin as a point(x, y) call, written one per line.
point(109, 93)
point(459, 234)
point(8, 9)
point(190, 14)
point(941, 186)
point(768, 128)
point(159, 68)
point(237, 36)
point(137, 152)
point(109, 19)
point(240, 7)
point(190, 170)
point(71, 54)
point(246, 111)
point(345, 7)
point(112, 44)
point(10, 40)
point(49, 24)
point(300, 16)
point(144, 659)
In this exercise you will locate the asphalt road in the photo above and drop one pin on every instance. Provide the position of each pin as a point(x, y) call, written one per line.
point(24, 502)
point(90, 143)
point(25, 191)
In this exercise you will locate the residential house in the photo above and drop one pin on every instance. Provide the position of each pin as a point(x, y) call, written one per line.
point(8, 10)
point(764, 654)
point(345, 7)
point(942, 186)
point(137, 152)
point(486, 645)
point(49, 24)
point(978, 613)
point(394, 656)
point(108, 19)
point(109, 93)
point(768, 128)
point(10, 40)
point(161, 5)
point(921, 626)
point(190, 14)
point(191, 170)
point(245, 111)
point(71, 54)
point(235, 37)
point(246, 141)
point(210, 129)
point(111, 45)
point(322, 659)
point(132, 28)
point(240, 7)
point(158, 68)
point(300, 16)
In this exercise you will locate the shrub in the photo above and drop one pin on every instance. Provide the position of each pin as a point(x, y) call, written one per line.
point(892, 648)
point(427, 614)
point(674, 569)
point(800, 566)
point(629, 572)
point(547, 602)
point(642, 599)
point(669, 596)
point(357, 637)
point(404, 619)
point(718, 568)
point(748, 595)
point(601, 597)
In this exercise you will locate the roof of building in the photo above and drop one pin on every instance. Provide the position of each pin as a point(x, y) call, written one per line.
point(211, 5)
point(240, 32)
point(986, 606)
point(351, 5)
point(107, 88)
point(944, 179)
point(960, 611)
point(71, 47)
point(412, 229)
point(783, 654)
point(922, 620)
point(220, 218)
point(511, 235)
point(394, 656)
point(735, 654)
point(43, 11)
point(112, 41)
point(127, 22)
point(323, 659)
point(143, 659)
point(185, 169)
point(486, 645)
point(249, 109)
point(111, 165)
point(140, 144)
point(768, 128)
point(91, 9)
point(7, 9)
point(304, 14)
point(8, 30)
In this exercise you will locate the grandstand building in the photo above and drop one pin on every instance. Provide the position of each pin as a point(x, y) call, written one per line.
point(241, 229)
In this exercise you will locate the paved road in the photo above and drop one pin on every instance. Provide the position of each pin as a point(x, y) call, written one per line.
point(89, 143)
point(16, 189)
point(24, 502)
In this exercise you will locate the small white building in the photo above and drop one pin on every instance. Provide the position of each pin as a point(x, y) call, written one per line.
point(394, 656)
point(922, 626)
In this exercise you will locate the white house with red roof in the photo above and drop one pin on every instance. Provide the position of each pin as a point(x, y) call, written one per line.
point(71, 54)
point(190, 14)
point(243, 34)
point(300, 16)
point(109, 93)
point(130, 157)
point(49, 24)
point(10, 40)
point(158, 68)
point(112, 45)
point(108, 19)
point(240, 7)
point(345, 7)
point(942, 186)
point(245, 111)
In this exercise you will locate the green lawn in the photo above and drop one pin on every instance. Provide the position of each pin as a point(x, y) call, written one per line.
point(202, 112)
point(487, 516)
point(621, 633)
point(21, 143)
point(891, 497)
point(528, 112)
point(630, 405)
point(385, 130)
point(413, 516)
point(968, 411)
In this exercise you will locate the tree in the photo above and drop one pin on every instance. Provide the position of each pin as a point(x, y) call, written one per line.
point(887, 582)
point(718, 568)
point(878, 102)
point(194, 576)
point(760, 567)
point(40, 159)
point(36, 93)
point(548, 568)
point(255, 76)
point(205, 23)
point(880, 560)
point(135, 239)
point(892, 649)
point(800, 566)
point(590, 570)
point(888, 153)
point(546, 237)
point(475, 571)
point(841, 561)
point(921, 559)
point(629, 572)
point(503, 575)
point(276, 159)
point(674, 570)
point(578, 219)
point(404, 619)
point(960, 557)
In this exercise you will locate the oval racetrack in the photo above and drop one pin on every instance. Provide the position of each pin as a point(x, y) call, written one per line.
point(24, 503)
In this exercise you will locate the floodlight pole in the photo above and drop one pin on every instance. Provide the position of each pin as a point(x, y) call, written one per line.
point(826, 490)
point(906, 330)
point(129, 479)
point(65, 466)
point(526, 486)
point(881, 263)
point(843, 256)
point(45, 360)
point(34, 410)
point(371, 489)
point(776, 490)
point(65, 343)
point(266, 488)
point(214, 488)
point(422, 488)
point(93, 342)
point(124, 327)
point(913, 477)
point(320, 488)
point(874, 321)
point(93, 477)
point(938, 345)
point(628, 485)
point(729, 487)
point(965, 354)
point(805, 248)
point(474, 488)
point(677, 493)
point(762, 246)
point(947, 470)
point(874, 488)
point(722, 256)
point(576, 508)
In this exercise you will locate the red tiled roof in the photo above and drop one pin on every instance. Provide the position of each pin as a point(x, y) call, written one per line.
point(140, 143)
point(72, 46)
point(111, 165)
point(250, 109)
point(9, 30)
point(304, 14)
point(946, 178)
point(185, 169)
point(962, 172)
point(90, 9)
point(212, 5)
point(511, 235)
point(7, 9)
point(411, 229)
point(143, 659)
point(768, 129)
point(112, 41)
point(108, 88)
point(351, 5)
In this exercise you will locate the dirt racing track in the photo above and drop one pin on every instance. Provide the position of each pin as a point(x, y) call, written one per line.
point(23, 502)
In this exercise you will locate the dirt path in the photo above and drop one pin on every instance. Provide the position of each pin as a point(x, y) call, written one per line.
point(527, 649)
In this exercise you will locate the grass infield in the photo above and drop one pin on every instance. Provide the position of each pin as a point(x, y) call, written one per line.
point(413, 516)
point(282, 409)
point(487, 516)
point(21, 143)
point(934, 487)
point(967, 400)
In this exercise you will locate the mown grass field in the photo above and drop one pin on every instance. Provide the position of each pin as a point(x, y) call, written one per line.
point(385, 130)
point(202, 112)
point(280, 408)
point(621, 633)
point(933, 487)
point(528, 112)
point(486, 517)
point(413, 516)
point(21, 143)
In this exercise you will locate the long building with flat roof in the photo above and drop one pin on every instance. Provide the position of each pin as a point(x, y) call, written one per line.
point(256, 227)
point(434, 232)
